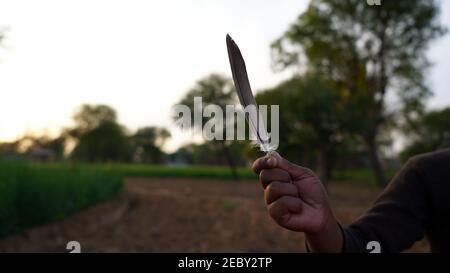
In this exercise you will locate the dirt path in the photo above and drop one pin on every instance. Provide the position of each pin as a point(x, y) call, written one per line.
point(182, 215)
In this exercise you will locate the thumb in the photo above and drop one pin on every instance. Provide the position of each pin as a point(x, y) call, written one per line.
point(297, 172)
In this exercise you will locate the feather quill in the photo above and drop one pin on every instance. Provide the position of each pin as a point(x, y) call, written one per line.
point(246, 97)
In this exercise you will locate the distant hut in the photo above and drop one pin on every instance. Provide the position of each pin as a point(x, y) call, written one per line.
point(41, 155)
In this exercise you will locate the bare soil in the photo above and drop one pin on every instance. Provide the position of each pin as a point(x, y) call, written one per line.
point(184, 215)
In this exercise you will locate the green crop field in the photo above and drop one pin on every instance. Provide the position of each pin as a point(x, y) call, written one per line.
point(34, 194)
point(31, 195)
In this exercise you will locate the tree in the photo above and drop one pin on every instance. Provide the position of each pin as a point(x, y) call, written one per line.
point(367, 51)
point(310, 120)
point(105, 143)
point(98, 136)
point(88, 117)
point(428, 133)
point(219, 90)
point(9, 150)
point(147, 143)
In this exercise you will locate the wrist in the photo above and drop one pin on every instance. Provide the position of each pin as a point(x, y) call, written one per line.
point(328, 239)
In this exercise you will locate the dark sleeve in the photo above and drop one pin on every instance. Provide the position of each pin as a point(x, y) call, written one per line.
point(398, 217)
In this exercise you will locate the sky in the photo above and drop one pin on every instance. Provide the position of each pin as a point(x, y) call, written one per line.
point(141, 57)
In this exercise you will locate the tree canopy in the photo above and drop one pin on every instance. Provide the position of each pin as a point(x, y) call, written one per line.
point(367, 52)
point(428, 133)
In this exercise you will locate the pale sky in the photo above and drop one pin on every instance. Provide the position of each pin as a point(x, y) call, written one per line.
point(140, 57)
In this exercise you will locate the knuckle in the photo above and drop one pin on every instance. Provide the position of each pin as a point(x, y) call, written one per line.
point(283, 200)
point(264, 178)
point(273, 193)
point(309, 171)
point(274, 209)
point(255, 166)
point(286, 200)
point(285, 176)
point(278, 214)
point(258, 165)
point(280, 175)
point(274, 188)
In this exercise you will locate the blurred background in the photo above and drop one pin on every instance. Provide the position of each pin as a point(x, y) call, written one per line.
point(89, 148)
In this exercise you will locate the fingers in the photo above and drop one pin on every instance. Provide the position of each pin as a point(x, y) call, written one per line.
point(282, 209)
point(266, 176)
point(276, 190)
point(297, 172)
point(265, 162)
point(274, 160)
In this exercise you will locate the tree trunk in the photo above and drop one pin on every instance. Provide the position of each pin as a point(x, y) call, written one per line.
point(324, 167)
point(329, 168)
point(230, 161)
point(375, 162)
point(378, 118)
